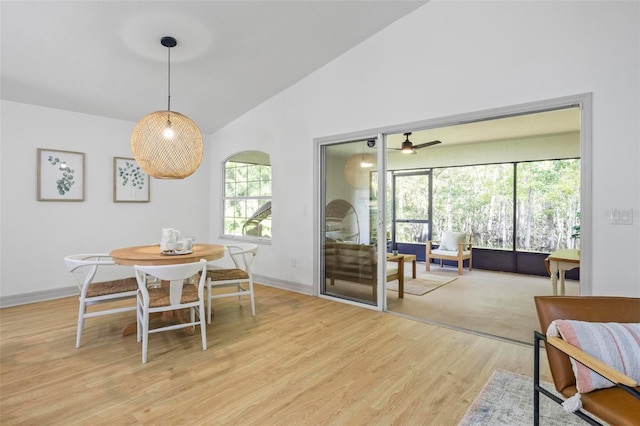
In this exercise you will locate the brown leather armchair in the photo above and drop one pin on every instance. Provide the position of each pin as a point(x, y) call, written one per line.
point(618, 405)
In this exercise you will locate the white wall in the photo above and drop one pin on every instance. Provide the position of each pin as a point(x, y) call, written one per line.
point(449, 58)
point(36, 235)
point(444, 59)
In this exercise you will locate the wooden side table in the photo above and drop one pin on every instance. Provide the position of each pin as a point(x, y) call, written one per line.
point(557, 263)
point(406, 257)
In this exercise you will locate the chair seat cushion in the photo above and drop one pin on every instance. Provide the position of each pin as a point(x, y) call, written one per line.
point(226, 274)
point(615, 344)
point(615, 405)
point(159, 296)
point(112, 287)
point(449, 253)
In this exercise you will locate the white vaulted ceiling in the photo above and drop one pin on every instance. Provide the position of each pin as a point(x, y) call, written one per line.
point(105, 58)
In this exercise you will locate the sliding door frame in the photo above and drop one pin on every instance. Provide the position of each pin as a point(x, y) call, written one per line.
point(583, 101)
point(319, 203)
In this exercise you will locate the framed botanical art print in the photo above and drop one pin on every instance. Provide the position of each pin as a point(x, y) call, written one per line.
point(130, 183)
point(60, 175)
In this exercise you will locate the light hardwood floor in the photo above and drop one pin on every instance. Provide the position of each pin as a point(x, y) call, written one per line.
point(301, 361)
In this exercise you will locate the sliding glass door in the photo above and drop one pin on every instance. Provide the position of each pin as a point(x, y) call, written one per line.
point(349, 221)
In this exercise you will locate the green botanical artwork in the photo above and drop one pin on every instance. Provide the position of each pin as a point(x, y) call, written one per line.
point(131, 174)
point(66, 181)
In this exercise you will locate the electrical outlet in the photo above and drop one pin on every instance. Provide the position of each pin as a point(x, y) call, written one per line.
point(293, 262)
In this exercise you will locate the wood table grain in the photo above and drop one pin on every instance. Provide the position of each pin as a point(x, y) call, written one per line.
point(150, 255)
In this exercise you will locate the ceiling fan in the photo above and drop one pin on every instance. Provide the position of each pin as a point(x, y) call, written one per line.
point(410, 148)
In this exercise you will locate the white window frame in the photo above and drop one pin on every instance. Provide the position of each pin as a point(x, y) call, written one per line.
point(238, 159)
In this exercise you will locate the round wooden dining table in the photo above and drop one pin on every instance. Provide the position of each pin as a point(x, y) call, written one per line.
point(150, 255)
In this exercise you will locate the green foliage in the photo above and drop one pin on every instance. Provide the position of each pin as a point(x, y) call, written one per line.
point(65, 183)
point(477, 200)
point(575, 229)
point(548, 204)
point(480, 199)
point(131, 174)
point(246, 185)
point(247, 180)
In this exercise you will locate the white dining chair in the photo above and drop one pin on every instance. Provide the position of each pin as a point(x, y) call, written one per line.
point(84, 267)
point(178, 295)
point(240, 277)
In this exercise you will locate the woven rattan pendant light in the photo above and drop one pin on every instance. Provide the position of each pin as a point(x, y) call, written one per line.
point(167, 144)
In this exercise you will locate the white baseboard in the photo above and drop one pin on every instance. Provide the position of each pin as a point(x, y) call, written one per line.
point(37, 296)
point(284, 285)
point(41, 296)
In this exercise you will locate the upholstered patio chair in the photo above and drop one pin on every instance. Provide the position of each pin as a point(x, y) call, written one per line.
point(583, 332)
point(455, 246)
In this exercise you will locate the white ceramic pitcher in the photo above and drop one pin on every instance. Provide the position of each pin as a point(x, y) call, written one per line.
point(169, 235)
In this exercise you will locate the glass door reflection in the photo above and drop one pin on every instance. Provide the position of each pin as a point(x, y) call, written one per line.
point(349, 220)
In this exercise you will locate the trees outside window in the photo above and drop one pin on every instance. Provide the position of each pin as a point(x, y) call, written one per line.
point(247, 195)
point(548, 204)
point(411, 206)
point(536, 204)
point(477, 200)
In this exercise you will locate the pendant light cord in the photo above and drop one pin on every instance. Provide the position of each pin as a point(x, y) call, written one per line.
point(169, 80)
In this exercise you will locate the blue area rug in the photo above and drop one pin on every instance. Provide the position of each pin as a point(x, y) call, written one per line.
point(507, 399)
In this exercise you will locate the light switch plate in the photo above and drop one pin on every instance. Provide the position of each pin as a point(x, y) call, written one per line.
point(621, 217)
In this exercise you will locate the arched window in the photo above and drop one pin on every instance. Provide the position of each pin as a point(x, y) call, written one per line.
point(247, 195)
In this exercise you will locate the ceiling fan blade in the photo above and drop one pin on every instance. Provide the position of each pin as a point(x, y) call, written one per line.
point(424, 145)
point(400, 150)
